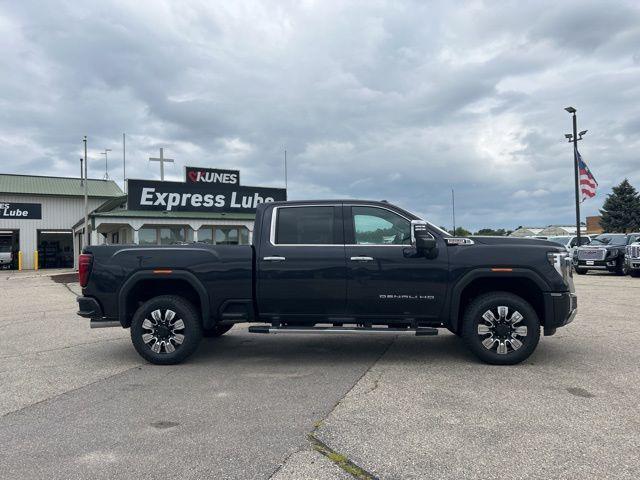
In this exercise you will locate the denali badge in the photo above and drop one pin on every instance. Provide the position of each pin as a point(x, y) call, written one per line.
point(407, 297)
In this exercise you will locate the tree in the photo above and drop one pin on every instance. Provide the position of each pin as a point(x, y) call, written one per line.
point(461, 232)
point(621, 209)
point(500, 232)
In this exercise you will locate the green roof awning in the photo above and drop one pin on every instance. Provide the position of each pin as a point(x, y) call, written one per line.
point(165, 214)
point(61, 186)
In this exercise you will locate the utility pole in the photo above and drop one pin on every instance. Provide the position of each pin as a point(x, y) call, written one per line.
point(573, 138)
point(124, 164)
point(453, 210)
point(81, 173)
point(285, 169)
point(162, 161)
point(86, 194)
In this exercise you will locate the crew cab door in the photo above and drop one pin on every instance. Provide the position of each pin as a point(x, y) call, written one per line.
point(301, 263)
point(386, 278)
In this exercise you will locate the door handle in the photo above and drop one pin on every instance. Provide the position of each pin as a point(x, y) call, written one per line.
point(274, 259)
point(361, 259)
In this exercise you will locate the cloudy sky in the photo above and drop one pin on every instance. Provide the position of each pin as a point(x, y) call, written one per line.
point(374, 99)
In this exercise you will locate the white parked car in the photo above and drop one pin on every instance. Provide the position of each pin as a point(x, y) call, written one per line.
point(6, 256)
point(570, 242)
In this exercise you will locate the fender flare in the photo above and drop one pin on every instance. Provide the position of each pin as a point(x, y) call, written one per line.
point(189, 277)
point(478, 273)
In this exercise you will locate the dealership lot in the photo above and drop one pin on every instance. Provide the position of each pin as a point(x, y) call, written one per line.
point(79, 403)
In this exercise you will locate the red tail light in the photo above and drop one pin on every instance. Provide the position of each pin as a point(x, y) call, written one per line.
point(85, 262)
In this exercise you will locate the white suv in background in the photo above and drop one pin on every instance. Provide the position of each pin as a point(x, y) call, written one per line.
point(570, 242)
point(632, 259)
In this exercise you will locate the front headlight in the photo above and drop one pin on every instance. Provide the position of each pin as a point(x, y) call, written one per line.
point(562, 264)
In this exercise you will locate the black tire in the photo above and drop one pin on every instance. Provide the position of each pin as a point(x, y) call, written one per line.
point(518, 346)
point(189, 335)
point(580, 271)
point(216, 331)
point(620, 269)
point(634, 273)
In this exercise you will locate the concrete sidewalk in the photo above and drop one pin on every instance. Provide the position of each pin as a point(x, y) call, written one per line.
point(49, 272)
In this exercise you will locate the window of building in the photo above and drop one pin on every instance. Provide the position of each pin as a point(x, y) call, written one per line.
point(305, 225)
point(224, 235)
point(147, 236)
point(377, 226)
point(172, 235)
point(161, 235)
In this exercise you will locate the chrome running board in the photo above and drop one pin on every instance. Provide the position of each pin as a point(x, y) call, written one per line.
point(421, 331)
point(99, 324)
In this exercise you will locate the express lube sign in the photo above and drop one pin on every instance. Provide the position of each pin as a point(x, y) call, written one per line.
point(25, 211)
point(199, 196)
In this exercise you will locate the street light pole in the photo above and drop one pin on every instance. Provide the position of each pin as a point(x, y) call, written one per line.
point(574, 140)
point(86, 194)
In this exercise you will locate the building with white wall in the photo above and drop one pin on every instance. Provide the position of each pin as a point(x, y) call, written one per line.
point(37, 214)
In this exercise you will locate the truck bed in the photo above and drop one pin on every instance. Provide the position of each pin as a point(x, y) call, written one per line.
point(225, 272)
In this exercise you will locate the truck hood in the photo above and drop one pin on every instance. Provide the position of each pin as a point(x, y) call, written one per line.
point(515, 241)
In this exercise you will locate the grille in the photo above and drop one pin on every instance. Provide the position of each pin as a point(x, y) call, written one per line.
point(591, 254)
point(634, 251)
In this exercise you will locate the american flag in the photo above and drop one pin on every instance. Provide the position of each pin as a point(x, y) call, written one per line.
point(588, 184)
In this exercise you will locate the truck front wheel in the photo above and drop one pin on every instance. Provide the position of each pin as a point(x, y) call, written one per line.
point(501, 328)
point(166, 329)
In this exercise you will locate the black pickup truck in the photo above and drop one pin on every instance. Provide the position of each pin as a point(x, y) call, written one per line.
point(333, 267)
point(605, 252)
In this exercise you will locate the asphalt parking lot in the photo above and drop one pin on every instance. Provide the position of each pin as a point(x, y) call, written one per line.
point(80, 403)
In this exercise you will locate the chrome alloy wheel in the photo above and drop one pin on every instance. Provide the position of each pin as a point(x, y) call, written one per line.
point(162, 332)
point(502, 333)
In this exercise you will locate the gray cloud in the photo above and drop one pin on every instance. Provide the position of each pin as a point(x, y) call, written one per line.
point(387, 99)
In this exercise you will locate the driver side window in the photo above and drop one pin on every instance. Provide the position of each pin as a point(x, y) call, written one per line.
point(377, 226)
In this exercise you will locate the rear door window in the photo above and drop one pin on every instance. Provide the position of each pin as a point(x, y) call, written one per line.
point(313, 225)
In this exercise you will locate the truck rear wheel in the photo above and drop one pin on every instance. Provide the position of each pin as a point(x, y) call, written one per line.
point(166, 329)
point(501, 328)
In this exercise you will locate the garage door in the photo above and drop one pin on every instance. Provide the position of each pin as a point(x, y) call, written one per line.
point(55, 249)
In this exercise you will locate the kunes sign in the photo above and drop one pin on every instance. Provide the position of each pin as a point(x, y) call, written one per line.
point(212, 175)
point(199, 197)
point(27, 211)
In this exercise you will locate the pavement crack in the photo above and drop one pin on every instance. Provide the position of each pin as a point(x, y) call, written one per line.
point(66, 285)
point(284, 462)
point(62, 394)
point(376, 384)
point(318, 424)
point(59, 348)
point(343, 462)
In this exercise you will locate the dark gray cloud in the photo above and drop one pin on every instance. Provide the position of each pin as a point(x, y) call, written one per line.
point(386, 99)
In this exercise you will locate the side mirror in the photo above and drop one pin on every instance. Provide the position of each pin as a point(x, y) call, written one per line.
point(420, 236)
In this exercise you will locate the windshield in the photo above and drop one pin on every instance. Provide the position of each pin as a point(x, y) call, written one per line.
point(609, 240)
point(5, 248)
point(560, 240)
